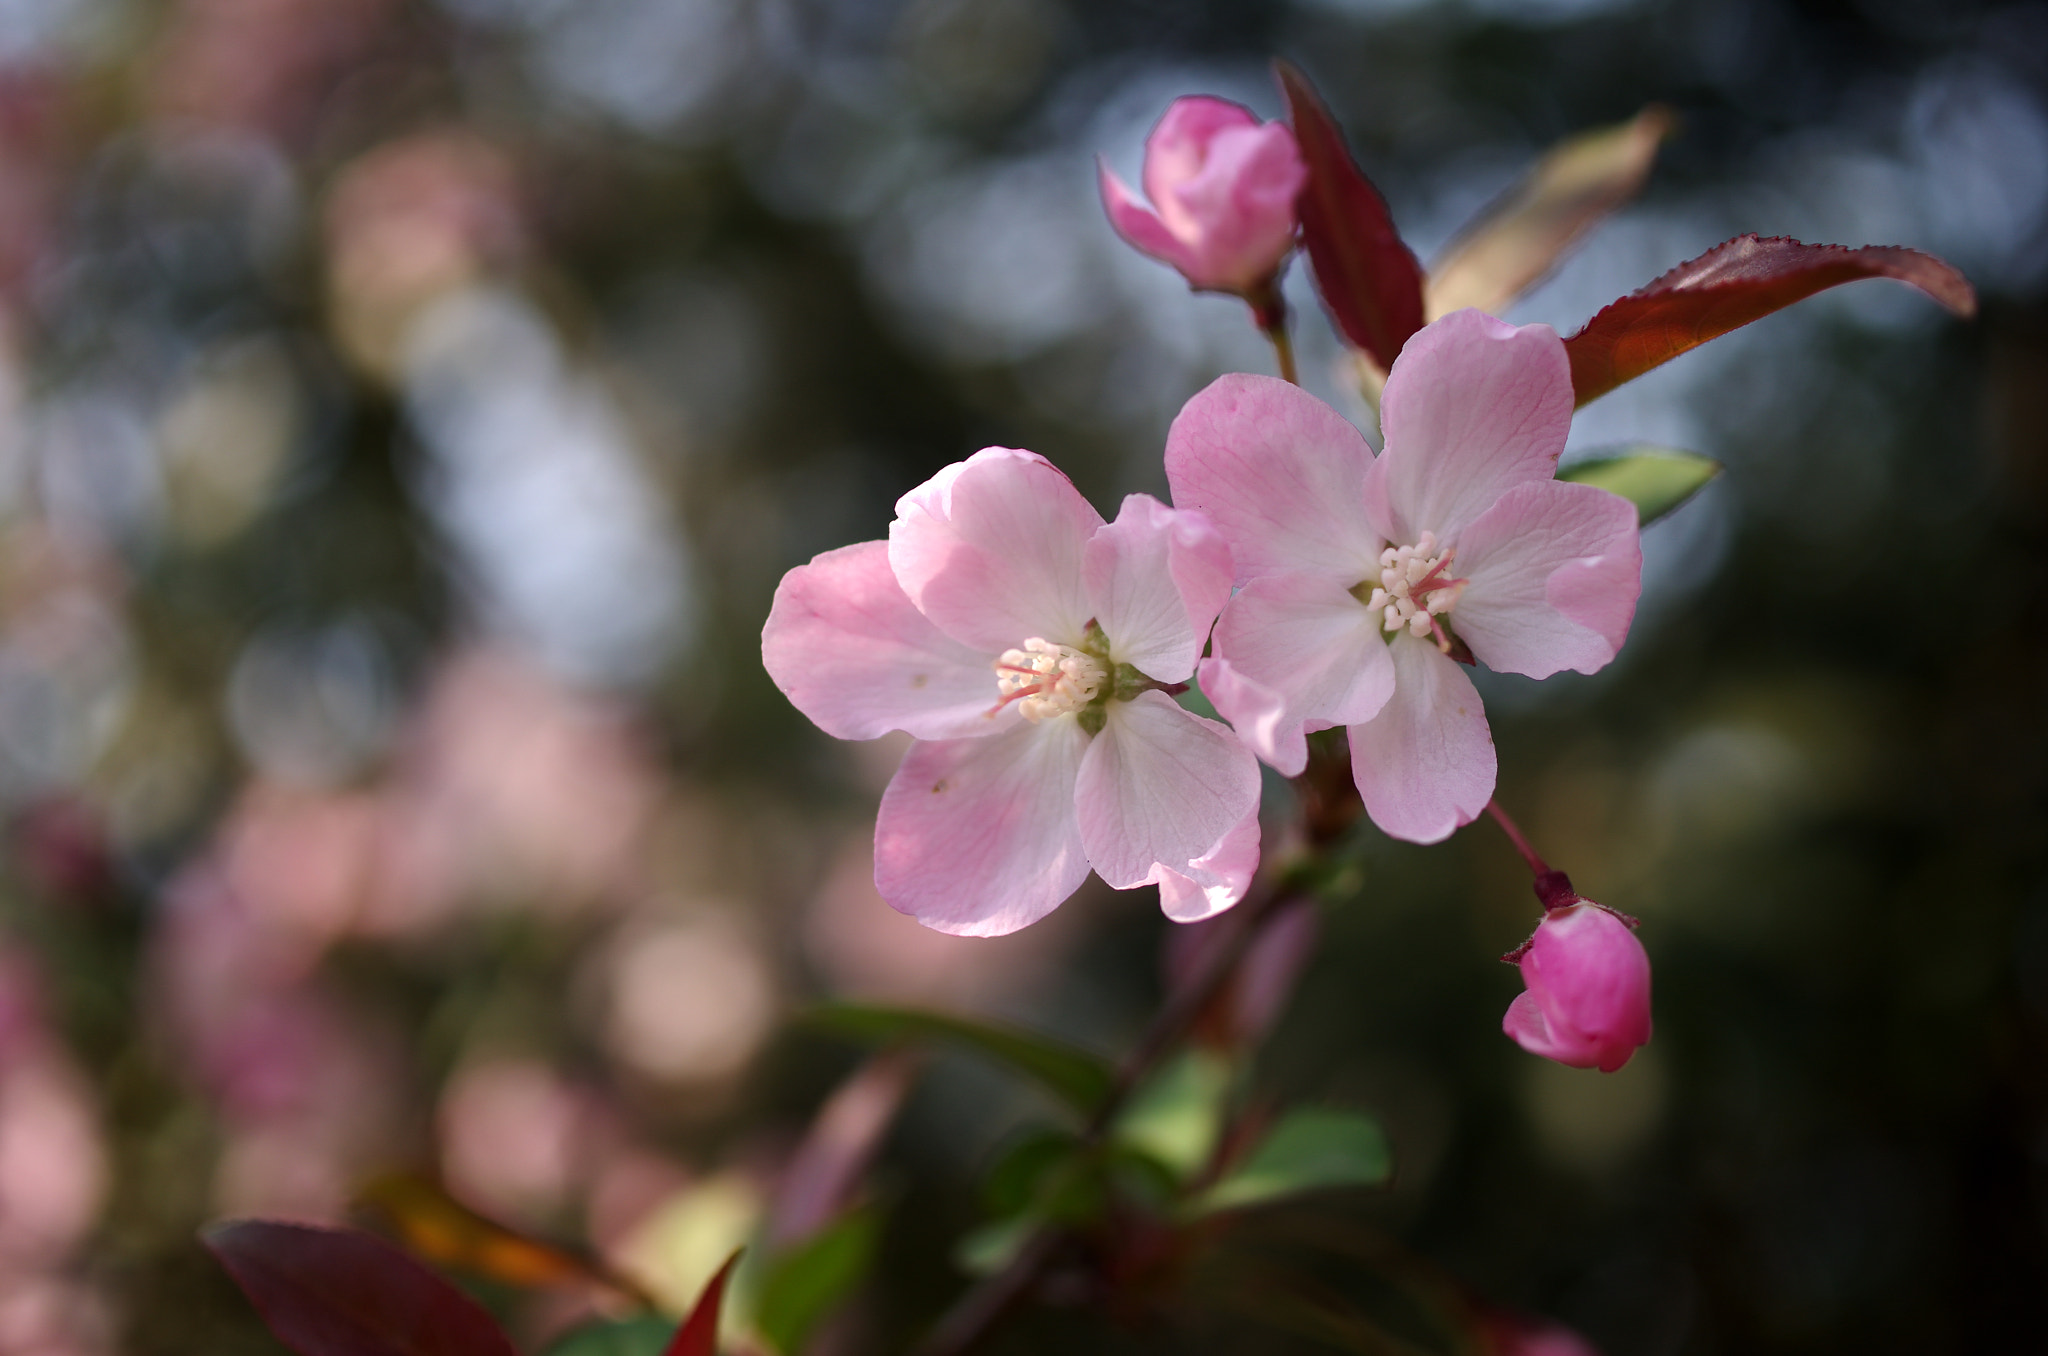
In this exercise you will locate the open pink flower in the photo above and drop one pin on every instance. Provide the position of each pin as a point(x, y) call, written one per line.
point(1222, 186)
point(1366, 579)
point(1024, 643)
point(1588, 998)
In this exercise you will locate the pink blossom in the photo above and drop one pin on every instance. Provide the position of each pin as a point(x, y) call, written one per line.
point(1588, 998)
point(1366, 579)
point(1024, 643)
point(1513, 1335)
point(1222, 187)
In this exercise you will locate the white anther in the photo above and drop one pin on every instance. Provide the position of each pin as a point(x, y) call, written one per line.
point(1045, 679)
point(1415, 586)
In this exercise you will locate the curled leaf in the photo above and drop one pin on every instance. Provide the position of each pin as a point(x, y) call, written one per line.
point(342, 1292)
point(1655, 479)
point(1511, 245)
point(1368, 279)
point(1735, 282)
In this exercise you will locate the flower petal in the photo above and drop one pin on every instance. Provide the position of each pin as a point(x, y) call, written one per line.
point(1425, 764)
point(1293, 653)
point(990, 550)
point(1139, 225)
point(1208, 885)
point(1162, 789)
point(978, 837)
point(849, 651)
point(1555, 569)
point(1281, 474)
point(1473, 407)
point(1156, 579)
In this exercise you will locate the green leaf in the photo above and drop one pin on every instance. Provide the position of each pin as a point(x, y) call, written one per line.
point(1313, 1149)
point(1655, 479)
point(804, 1284)
point(1078, 1077)
point(1176, 1116)
point(1020, 1171)
point(644, 1335)
point(987, 1248)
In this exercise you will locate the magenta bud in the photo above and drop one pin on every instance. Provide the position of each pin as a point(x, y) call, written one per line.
point(1222, 187)
point(1588, 998)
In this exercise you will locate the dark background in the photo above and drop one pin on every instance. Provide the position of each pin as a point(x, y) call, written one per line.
point(411, 408)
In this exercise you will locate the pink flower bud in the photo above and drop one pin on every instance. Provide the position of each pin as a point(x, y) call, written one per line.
point(1222, 186)
point(1588, 1000)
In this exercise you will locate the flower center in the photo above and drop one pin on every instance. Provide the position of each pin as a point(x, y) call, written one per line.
point(1416, 588)
point(1045, 679)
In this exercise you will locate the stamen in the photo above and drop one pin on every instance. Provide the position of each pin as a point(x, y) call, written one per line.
point(1415, 589)
point(1048, 679)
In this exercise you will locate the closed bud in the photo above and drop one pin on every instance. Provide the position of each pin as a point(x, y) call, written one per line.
point(1222, 186)
point(1588, 998)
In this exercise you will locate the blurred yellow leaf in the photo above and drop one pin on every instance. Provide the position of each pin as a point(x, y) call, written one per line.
point(1510, 246)
point(435, 1226)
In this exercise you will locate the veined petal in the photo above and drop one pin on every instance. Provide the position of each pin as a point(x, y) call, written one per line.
point(1473, 408)
point(990, 550)
point(1161, 789)
point(978, 837)
point(847, 648)
point(1139, 225)
point(1293, 653)
point(1555, 569)
point(1281, 474)
point(1156, 578)
point(1208, 885)
point(1425, 764)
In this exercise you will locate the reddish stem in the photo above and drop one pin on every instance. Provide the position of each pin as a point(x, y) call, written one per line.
point(1553, 888)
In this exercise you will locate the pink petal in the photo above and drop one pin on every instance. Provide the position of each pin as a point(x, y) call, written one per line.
point(1293, 653)
point(1161, 789)
point(1139, 225)
point(1156, 578)
point(1473, 408)
point(1210, 884)
point(1178, 146)
point(1425, 764)
point(1555, 569)
point(1281, 474)
point(978, 837)
point(990, 550)
point(849, 651)
point(1241, 206)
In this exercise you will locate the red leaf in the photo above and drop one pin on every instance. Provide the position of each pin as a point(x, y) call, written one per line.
point(1369, 280)
point(699, 1334)
point(342, 1292)
point(1735, 282)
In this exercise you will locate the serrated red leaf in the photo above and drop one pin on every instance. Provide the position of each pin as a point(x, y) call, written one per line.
point(699, 1334)
point(1368, 279)
point(1735, 282)
point(342, 1292)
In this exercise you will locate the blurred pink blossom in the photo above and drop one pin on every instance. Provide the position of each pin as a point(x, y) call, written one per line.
point(1588, 1000)
point(513, 1137)
point(1515, 1335)
point(1222, 187)
point(1356, 569)
point(1024, 641)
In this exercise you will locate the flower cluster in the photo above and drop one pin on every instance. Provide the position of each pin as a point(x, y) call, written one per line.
point(1306, 580)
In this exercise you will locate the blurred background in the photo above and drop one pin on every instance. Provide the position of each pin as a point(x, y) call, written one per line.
point(408, 408)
